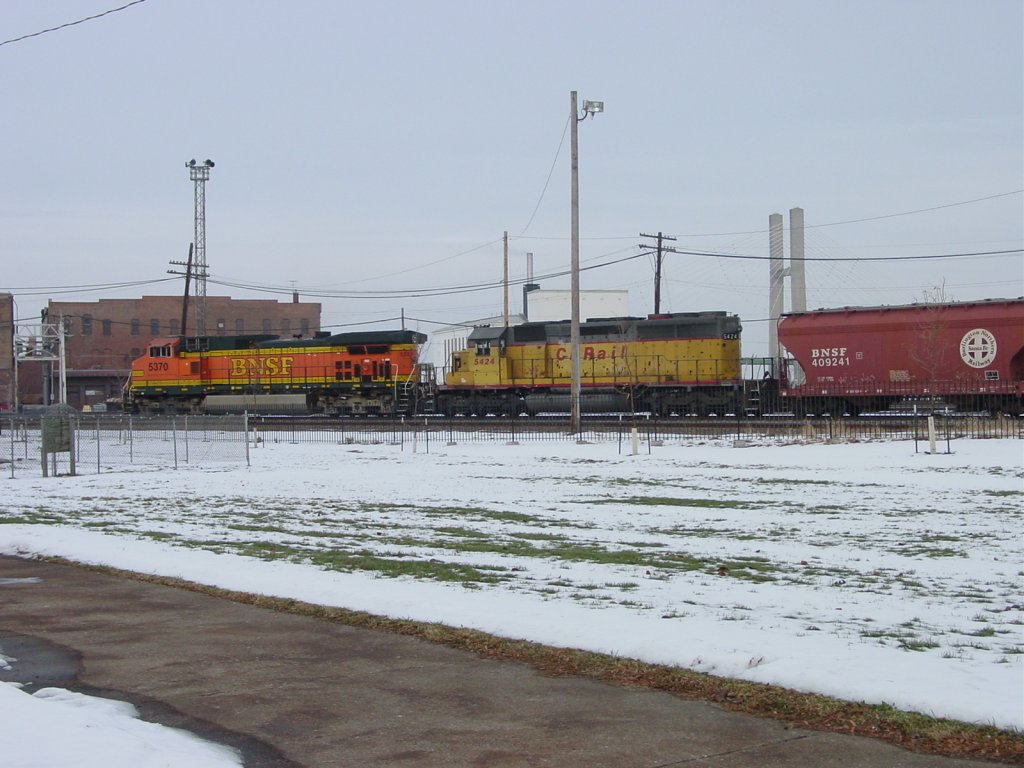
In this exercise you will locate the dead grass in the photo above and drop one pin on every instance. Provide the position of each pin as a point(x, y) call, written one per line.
point(912, 731)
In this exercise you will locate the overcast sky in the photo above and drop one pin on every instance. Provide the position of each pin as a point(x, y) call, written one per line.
point(387, 145)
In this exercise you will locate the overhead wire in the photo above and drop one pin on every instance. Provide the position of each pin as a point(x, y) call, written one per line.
point(547, 181)
point(811, 226)
point(70, 23)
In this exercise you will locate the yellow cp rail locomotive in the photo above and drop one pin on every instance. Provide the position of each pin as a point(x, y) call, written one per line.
point(678, 363)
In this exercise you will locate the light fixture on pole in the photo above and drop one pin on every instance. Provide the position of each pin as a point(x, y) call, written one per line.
point(590, 108)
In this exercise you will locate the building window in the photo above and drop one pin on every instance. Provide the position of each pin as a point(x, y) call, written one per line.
point(239, 326)
point(135, 327)
point(136, 352)
point(266, 325)
point(304, 325)
point(154, 327)
point(174, 327)
point(87, 325)
point(106, 327)
point(221, 326)
point(286, 326)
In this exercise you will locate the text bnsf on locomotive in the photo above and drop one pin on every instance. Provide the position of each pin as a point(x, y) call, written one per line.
point(372, 372)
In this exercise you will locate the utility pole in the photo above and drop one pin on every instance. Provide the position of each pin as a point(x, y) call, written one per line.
point(184, 299)
point(590, 108)
point(199, 173)
point(504, 281)
point(662, 250)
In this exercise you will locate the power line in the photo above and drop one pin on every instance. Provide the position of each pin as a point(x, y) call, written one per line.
point(810, 226)
point(71, 23)
point(547, 181)
point(857, 258)
point(42, 290)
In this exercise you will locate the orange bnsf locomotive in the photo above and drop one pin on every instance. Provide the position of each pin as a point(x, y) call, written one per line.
point(370, 372)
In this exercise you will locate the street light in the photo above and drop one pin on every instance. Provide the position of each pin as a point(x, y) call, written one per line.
point(590, 108)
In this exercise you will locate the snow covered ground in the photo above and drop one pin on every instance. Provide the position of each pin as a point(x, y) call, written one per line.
point(56, 728)
point(864, 571)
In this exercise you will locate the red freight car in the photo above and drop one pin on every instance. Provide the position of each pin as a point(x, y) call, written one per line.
point(964, 355)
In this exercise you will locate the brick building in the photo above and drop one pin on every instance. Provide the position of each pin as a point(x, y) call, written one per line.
point(103, 337)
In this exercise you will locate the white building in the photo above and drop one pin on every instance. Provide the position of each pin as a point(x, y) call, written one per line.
point(540, 306)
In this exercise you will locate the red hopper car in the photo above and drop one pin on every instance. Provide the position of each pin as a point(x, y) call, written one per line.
point(965, 356)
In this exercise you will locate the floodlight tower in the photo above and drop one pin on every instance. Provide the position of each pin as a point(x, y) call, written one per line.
point(199, 173)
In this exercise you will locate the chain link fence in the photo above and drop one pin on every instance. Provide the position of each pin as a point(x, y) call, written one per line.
point(429, 430)
point(96, 443)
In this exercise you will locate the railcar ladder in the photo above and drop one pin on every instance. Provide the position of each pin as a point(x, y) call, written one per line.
point(752, 397)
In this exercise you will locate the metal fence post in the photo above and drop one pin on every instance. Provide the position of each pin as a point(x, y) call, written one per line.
point(245, 435)
point(97, 444)
point(174, 440)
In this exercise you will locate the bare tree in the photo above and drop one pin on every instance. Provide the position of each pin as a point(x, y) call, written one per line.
point(928, 352)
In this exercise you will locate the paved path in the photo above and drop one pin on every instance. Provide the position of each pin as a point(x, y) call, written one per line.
point(297, 691)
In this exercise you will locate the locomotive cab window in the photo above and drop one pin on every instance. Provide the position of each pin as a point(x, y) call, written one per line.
point(483, 348)
point(164, 351)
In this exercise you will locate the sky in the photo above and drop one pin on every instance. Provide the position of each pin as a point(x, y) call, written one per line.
point(866, 571)
point(363, 148)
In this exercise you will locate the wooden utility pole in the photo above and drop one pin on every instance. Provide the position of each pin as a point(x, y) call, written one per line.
point(184, 299)
point(662, 250)
point(188, 275)
point(504, 281)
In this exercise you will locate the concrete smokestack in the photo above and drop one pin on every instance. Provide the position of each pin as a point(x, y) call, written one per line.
point(776, 274)
point(797, 275)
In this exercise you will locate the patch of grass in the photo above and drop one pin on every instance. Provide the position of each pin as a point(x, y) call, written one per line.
point(259, 528)
point(692, 532)
point(392, 567)
point(539, 536)
point(465, 533)
point(158, 535)
point(508, 517)
point(926, 551)
point(38, 516)
point(756, 569)
point(914, 644)
point(665, 501)
point(791, 481)
point(984, 632)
